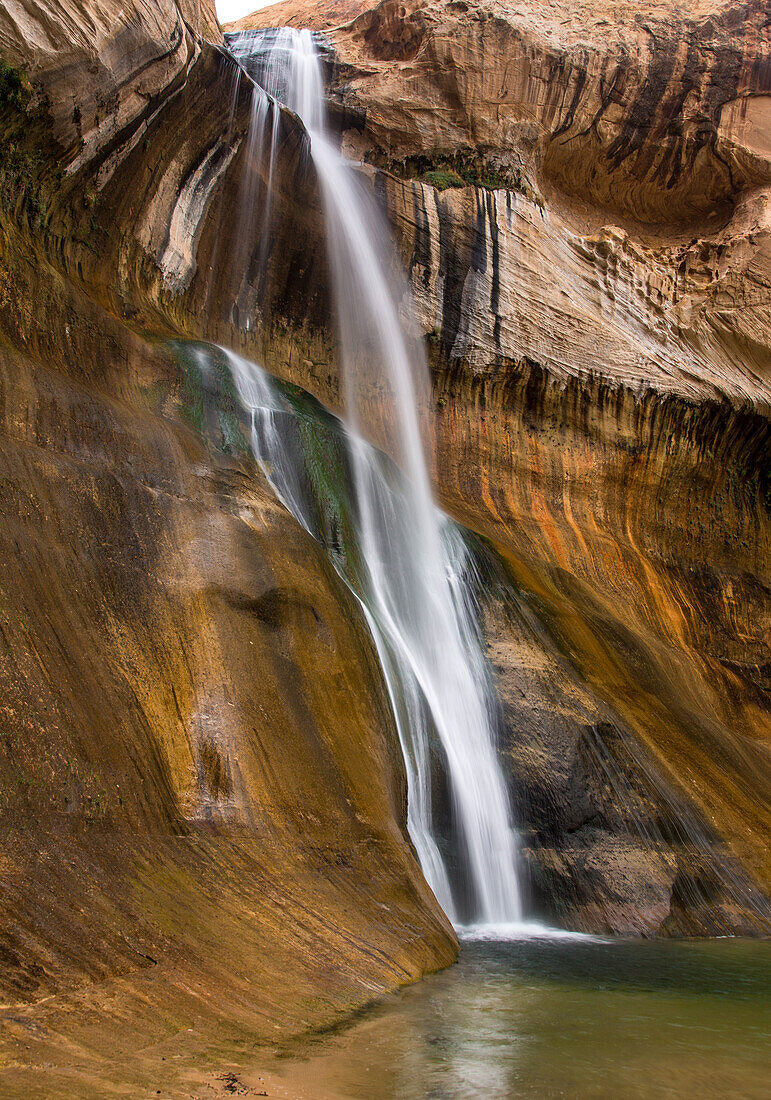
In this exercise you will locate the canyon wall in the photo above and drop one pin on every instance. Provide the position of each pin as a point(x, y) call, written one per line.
point(582, 200)
point(203, 802)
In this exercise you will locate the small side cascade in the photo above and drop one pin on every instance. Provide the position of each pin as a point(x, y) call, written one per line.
point(255, 206)
point(405, 560)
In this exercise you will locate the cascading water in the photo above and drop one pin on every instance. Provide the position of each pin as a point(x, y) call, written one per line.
point(255, 203)
point(409, 564)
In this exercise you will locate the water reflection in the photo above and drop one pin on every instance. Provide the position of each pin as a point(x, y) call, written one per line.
point(563, 1018)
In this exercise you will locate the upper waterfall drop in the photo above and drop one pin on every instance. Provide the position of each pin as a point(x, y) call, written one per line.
point(412, 566)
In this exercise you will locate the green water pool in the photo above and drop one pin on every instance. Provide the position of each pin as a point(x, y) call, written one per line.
point(563, 1018)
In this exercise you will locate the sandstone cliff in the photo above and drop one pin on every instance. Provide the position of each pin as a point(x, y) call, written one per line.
point(302, 13)
point(581, 200)
point(202, 801)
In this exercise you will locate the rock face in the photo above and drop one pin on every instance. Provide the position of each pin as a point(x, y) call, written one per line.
point(202, 802)
point(651, 115)
point(633, 241)
point(582, 201)
point(609, 841)
point(193, 716)
point(296, 13)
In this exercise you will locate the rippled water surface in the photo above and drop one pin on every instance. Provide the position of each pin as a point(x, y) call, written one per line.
point(574, 1018)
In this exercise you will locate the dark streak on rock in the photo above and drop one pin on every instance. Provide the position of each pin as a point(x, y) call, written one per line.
point(452, 272)
point(495, 283)
point(421, 255)
point(479, 235)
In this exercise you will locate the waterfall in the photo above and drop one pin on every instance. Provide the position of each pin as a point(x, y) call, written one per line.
point(408, 563)
point(256, 198)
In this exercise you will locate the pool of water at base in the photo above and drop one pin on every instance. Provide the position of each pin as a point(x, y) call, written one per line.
point(574, 1018)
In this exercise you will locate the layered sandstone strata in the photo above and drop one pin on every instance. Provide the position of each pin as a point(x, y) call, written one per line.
point(595, 301)
point(202, 802)
point(302, 13)
point(582, 201)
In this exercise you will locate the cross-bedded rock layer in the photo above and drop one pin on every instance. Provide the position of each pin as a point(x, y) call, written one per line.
point(581, 199)
point(582, 202)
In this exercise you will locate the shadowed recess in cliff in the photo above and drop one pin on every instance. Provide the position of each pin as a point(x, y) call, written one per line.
point(611, 840)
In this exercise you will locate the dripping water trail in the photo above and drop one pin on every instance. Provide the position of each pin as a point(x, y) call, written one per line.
point(255, 208)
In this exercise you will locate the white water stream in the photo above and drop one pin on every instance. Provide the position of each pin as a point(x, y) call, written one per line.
point(413, 562)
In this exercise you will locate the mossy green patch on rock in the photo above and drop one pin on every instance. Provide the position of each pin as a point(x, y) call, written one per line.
point(15, 87)
point(465, 168)
point(208, 399)
point(441, 180)
point(29, 173)
point(20, 186)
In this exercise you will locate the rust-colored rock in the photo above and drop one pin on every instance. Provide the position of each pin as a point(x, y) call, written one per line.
point(203, 803)
point(595, 301)
point(301, 13)
point(596, 304)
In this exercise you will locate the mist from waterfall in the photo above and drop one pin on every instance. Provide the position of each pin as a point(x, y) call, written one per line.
point(407, 561)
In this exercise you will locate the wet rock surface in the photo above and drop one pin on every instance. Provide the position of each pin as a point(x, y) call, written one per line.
point(660, 610)
point(188, 692)
point(608, 843)
point(201, 779)
point(581, 199)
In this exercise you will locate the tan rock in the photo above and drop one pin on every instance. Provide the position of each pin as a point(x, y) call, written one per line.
point(616, 107)
point(599, 337)
point(200, 773)
point(296, 13)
